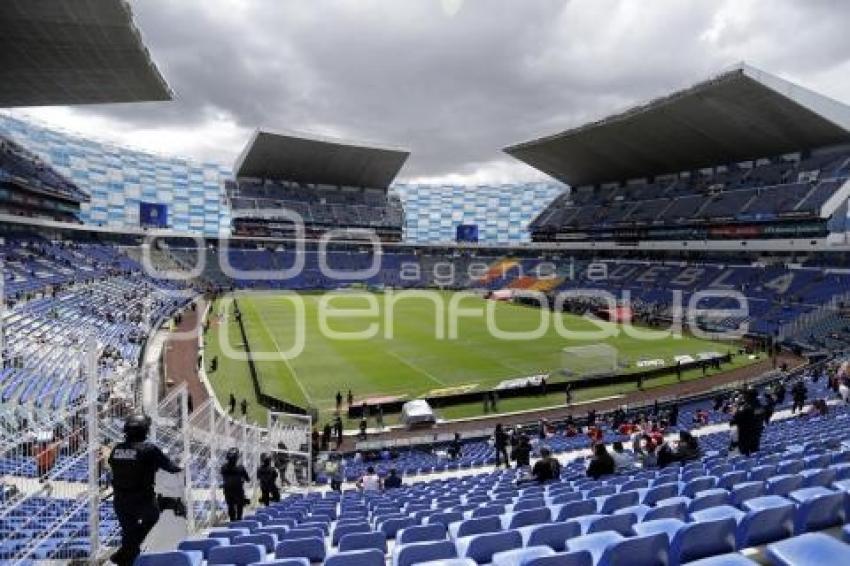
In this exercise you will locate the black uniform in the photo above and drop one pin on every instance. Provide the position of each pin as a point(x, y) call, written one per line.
point(750, 422)
point(798, 395)
point(267, 476)
point(234, 477)
point(134, 466)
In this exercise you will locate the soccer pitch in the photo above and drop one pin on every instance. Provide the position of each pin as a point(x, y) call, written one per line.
point(410, 360)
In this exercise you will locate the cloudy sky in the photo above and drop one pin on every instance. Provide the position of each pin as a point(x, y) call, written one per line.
point(452, 80)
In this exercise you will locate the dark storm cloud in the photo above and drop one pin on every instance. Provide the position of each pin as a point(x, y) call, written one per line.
point(456, 87)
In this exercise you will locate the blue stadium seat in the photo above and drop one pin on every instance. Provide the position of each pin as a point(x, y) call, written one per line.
point(784, 484)
point(695, 485)
point(650, 550)
point(818, 477)
point(284, 562)
point(421, 533)
point(553, 535)
point(482, 547)
point(299, 533)
point(611, 503)
point(576, 509)
point(811, 549)
point(703, 539)
point(363, 541)
point(204, 545)
point(596, 544)
point(278, 532)
point(228, 534)
point(266, 540)
point(731, 479)
point(690, 541)
point(449, 562)
point(525, 504)
point(364, 557)
point(390, 527)
point(312, 548)
point(655, 494)
point(817, 508)
point(475, 526)
point(709, 498)
point(577, 558)
point(244, 524)
point(731, 559)
point(569, 497)
point(173, 558)
point(488, 511)
point(520, 556)
point(445, 518)
point(597, 523)
point(534, 516)
point(414, 553)
point(744, 491)
point(672, 511)
point(238, 554)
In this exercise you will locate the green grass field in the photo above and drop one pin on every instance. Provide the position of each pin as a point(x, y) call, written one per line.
point(411, 362)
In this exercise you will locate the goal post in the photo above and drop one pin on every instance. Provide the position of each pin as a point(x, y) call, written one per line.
point(290, 441)
point(593, 360)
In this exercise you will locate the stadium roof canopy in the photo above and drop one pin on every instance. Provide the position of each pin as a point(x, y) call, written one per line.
point(80, 52)
point(293, 157)
point(740, 115)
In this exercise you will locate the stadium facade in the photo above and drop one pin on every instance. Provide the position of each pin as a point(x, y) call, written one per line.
point(502, 212)
point(118, 179)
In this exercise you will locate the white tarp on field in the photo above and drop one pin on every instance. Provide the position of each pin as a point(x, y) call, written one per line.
point(417, 412)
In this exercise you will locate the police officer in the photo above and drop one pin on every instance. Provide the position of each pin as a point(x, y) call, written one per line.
point(234, 476)
point(134, 464)
point(267, 476)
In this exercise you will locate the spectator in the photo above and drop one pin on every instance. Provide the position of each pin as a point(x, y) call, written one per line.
point(673, 418)
point(819, 408)
point(333, 469)
point(688, 447)
point(370, 482)
point(749, 420)
point(622, 460)
point(500, 443)
point(267, 476)
point(393, 480)
point(338, 427)
point(779, 392)
point(339, 400)
point(798, 396)
point(601, 464)
point(455, 448)
point(244, 407)
point(363, 425)
point(545, 469)
point(326, 436)
point(700, 417)
point(645, 450)
point(232, 402)
point(234, 477)
point(522, 453)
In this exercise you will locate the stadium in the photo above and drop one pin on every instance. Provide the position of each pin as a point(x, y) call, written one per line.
point(642, 359)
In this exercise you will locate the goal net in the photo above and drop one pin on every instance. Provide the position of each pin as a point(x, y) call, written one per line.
point(594, 360)
point(292, 454)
